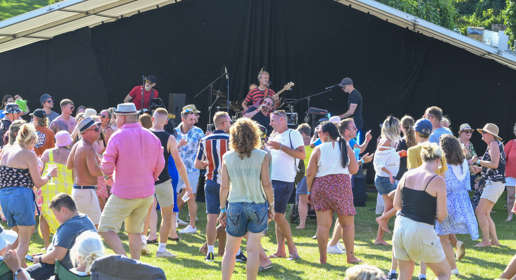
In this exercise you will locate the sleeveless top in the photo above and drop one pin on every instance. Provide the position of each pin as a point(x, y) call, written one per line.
point(419, 206)
point(330, 162)
point(163, 138)
point(498, 174)
point(245, 176)
point(15, 177)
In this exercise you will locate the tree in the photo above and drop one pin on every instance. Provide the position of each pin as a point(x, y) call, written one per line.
point(440, 12)
point(509, 16)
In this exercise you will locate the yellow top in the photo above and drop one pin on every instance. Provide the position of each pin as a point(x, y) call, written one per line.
point(414, 160)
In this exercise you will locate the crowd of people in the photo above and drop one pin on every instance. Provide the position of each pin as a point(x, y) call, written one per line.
point(85, 175)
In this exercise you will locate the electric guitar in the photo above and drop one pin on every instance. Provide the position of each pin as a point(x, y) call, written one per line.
point(275, 97)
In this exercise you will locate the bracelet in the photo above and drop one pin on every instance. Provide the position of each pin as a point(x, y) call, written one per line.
point(477, 162)
point(222, 210)
point(308, 193)
point(362, 161)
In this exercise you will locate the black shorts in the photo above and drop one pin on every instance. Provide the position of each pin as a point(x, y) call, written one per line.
point(282, 193)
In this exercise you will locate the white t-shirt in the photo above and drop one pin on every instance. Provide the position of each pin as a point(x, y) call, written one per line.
point(284, 167)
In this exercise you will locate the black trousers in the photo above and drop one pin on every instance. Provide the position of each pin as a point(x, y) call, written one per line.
point(41, 271)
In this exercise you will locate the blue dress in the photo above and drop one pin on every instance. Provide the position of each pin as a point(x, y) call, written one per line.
point(461, 217)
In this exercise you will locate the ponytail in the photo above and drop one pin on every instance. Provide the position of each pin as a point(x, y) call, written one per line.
point(343, 152)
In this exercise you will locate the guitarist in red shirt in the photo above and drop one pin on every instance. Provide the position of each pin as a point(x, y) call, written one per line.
point(255, 96)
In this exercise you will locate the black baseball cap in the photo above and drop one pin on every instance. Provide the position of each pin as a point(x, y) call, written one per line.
point(152, 79)
point(40, 113)
point(346, 81)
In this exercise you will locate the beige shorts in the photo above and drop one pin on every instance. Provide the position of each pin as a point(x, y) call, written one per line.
point(118, 210)
point(87, 203)
point(492, 191)
point(165, 193)
point(415, 241)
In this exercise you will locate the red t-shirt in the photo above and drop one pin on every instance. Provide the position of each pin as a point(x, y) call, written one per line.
point(136, 94)
point(255, 96)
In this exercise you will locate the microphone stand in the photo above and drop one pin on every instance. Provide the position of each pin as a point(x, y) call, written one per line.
point(210, 86)
point(309, 98)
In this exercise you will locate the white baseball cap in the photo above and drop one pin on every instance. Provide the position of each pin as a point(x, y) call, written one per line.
point(7, 237)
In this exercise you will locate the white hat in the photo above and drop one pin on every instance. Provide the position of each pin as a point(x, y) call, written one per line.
point(126, 109)
point(90, 112)
point(335, 119)
point(7, 237)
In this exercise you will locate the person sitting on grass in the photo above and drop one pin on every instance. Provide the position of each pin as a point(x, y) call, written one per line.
point(72, 225)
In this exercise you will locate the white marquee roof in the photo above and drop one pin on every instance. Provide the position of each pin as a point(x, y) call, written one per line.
point(69, 15)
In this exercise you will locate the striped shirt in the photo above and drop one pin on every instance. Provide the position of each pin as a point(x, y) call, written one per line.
point(255, 96)
point(212, 148)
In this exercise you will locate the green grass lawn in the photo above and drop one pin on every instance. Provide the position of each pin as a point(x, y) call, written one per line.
point(190, 264)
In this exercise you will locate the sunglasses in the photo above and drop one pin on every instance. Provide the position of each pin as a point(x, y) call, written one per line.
point(50, 101)
point(103, 116)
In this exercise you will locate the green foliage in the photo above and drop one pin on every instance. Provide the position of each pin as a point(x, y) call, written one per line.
point(11, 8)
point(441, 12)
point(509, 15)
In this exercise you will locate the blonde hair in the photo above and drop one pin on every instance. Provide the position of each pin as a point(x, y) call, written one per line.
point(244, 137)
point(26, 135)
point(13, 130)
point(219, 117)
point(87, 248)
point(364, 272)
point(430, 152)
point(391, 129)
point(160, 114)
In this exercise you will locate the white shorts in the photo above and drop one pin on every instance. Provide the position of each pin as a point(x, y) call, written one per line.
point(415, 241)
point(510, 181)
point(379, 204)
point(193, 178)
point(492, 191)
point(87, 203)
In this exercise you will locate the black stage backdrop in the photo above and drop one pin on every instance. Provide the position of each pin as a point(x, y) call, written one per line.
point(314, 43)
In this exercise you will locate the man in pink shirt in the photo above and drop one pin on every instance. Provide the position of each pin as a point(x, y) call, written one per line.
point(135, 156)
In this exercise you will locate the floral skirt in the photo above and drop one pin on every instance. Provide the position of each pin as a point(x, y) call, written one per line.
point(333, 192)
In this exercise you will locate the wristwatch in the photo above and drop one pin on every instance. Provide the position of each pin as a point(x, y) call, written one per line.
point(20, 270)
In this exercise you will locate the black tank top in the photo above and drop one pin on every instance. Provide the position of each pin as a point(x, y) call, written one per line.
point(163, 138)
point(419, 206)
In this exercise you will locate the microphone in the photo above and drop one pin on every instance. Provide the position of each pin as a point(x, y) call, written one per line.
point(226, 71)
point(330, 87)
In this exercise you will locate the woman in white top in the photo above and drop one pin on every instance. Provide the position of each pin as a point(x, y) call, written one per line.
point(328, 175)
point(386, 165)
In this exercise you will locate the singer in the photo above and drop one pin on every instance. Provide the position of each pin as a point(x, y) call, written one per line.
point(141, 95)
point(256, 95)
point(354, 104)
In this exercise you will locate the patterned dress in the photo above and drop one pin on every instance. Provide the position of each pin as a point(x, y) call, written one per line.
point(461, 217)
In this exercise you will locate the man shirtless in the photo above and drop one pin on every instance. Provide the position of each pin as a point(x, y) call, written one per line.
point(85, 164)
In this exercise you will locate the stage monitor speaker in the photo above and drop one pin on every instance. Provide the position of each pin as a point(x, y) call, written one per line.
point(176, 102)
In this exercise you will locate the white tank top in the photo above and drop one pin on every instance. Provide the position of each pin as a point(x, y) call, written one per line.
point(330, 162)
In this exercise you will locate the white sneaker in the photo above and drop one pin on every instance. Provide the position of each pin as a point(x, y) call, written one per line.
point(188, 230)
point(341, 246)
point(164, 254)
point(334, 250)
point(181, 222)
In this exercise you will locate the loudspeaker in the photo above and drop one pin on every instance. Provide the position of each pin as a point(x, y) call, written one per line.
point(176, 102)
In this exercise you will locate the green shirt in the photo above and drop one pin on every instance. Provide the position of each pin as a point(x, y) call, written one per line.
point(245, 183)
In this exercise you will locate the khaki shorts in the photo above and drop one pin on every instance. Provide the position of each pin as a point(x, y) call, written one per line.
point(415, 241)
point(492, 191)
point(87, 203)
point(133, 211)
point(165, 193)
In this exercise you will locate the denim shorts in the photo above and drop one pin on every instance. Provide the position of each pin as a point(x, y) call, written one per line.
point(302, 188)
point(243, 217)
point(18, 206)
point(383, 185)
point(282, 193)
point(211, 196)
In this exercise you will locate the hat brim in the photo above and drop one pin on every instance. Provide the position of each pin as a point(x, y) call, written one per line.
point(480, 130)
point(126, 113)
point(9, 236)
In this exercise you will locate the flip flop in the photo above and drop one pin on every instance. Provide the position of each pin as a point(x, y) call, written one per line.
point(274, 256)
point(174, 239)
point(294, 258)
point(152, 241)
point(264, 268)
